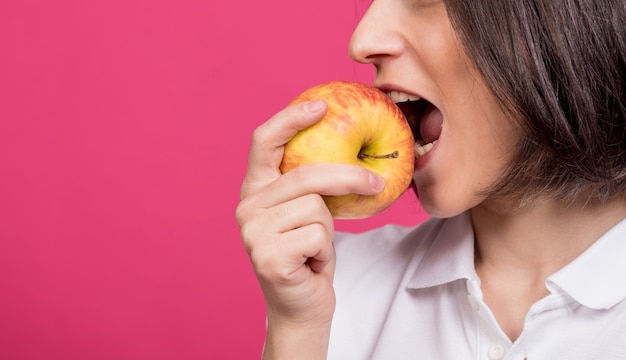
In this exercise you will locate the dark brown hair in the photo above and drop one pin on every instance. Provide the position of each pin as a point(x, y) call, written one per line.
point(558, 68)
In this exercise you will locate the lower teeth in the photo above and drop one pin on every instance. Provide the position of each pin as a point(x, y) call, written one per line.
point(422, 149)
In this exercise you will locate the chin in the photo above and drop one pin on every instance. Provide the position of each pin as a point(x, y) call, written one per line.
point(441, 205)
point(439, 212)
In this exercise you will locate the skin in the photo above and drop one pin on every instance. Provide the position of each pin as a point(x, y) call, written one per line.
point(288, 231)
point(412, 46)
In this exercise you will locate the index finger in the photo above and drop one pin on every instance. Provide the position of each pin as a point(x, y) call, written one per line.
point(269, 139)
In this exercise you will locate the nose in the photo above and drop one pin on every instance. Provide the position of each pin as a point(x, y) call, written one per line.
point(376, 37)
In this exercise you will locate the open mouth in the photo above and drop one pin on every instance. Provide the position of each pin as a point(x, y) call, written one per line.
point(424, 118)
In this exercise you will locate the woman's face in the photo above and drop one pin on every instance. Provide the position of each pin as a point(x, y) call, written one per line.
point(416, 54)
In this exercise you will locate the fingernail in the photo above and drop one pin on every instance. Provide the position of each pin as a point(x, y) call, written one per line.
point(377, 182)
point(314, 106)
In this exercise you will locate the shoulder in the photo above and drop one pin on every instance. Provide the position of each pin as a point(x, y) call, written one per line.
point(381, 240)
point(388, 249)
point(373, 269)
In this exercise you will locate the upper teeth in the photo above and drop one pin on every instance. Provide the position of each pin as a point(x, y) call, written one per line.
point(398, 96)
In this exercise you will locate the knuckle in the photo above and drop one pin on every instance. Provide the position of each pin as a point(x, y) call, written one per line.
point(302, 174)
point(319, 234)
point(316, 204)
point(299, 173)
point(359, 174)
point(247, 237)
point(260, 134)
point(280, 274)
point(241, 212)
point(244, 190)
point(269, 268)
point(263, 133)
point(251, 235)
point(357, 179)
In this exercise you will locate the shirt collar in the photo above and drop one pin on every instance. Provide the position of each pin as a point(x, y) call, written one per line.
point(450, 256)
point(595, 279)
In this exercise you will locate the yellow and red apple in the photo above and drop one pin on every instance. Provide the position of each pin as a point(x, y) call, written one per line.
point(362, 127)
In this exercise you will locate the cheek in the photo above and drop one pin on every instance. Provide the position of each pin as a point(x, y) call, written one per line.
point(468, 161)
point(475, 148)
point(457, 183)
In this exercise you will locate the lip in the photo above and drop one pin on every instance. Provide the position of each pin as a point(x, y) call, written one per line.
point(393, 87)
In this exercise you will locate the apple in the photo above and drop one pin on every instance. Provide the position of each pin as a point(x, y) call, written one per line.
point(362, 127)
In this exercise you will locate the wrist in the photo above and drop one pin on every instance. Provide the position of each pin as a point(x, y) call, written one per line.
point(296, 341)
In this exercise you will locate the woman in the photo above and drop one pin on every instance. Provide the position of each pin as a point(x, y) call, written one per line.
point(523, 257)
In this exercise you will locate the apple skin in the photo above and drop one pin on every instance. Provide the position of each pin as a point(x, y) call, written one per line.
point(362, 127)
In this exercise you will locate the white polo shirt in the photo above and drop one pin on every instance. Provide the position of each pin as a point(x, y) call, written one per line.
point(413, 293)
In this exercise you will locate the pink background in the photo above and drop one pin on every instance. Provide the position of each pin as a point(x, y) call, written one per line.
point(124, 130)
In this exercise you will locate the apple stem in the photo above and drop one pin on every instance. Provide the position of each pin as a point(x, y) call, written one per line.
point(393, 155)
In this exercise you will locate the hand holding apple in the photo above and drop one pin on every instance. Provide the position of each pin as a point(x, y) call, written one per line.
point(362, 127)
